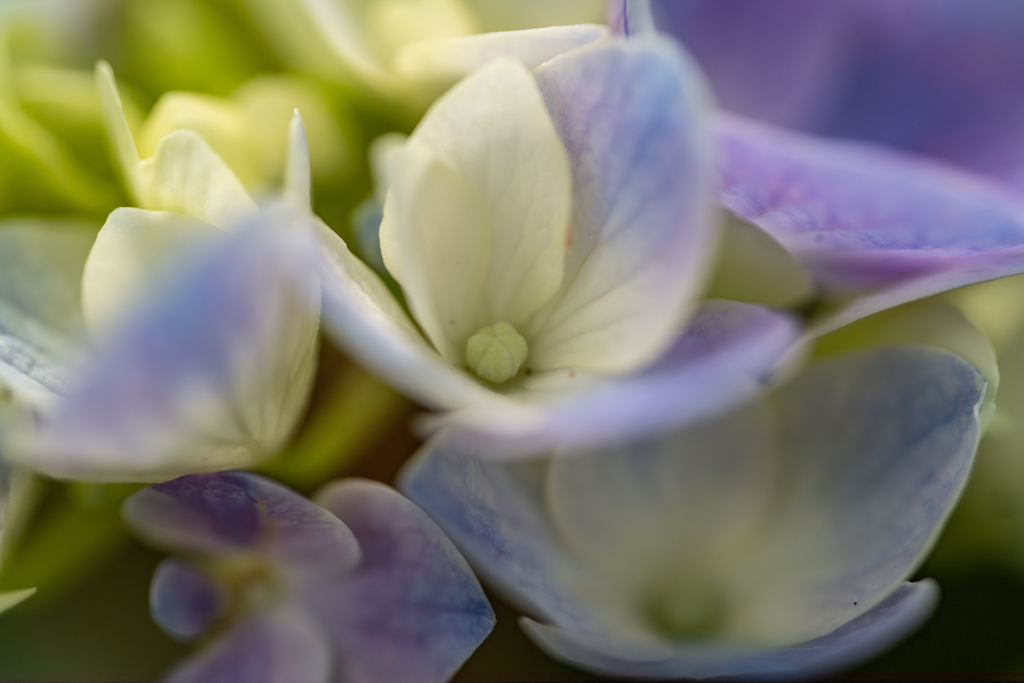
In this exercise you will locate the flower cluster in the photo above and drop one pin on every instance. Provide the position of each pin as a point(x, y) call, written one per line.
point(702, 300)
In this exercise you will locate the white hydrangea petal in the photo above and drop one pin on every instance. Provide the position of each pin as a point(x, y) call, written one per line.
point(134, 253)
point(446, 60)
point(365, 318)
point(723, 359)
point(183, 175)
point(672, 501)
point(494, 130)
point(880, 444)
point(436, 241)
point(902, 611)
point(632, 115)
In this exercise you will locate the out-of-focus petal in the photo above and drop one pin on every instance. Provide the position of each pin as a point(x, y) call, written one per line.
point(239, 513)
point(135, 252)
point(493, 134)
point(680, 500)
point(41, 324)
point(499, 15)
point(632, 116)
point(412, 610)
point(940, 78)
point(9, 599)
point(904, 609)
point(279, 646)
point(629, 17)
point(212, 375)
point(754, 268)
point(183, 599)
point(446, 60)
point(184, 174)
point(494, 514)
point(780, 62)
point(863, 219)
point(724, 358)
point(297, 172)
point(931, 322)
point(880, 444)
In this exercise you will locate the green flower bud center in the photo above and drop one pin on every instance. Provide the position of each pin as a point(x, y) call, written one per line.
point(689, 610)
point(496, 352)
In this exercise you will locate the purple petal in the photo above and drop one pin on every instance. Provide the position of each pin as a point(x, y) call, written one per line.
point(280, 646)
point(183, 599)
point(494, 513)
point(209, 376)
point(939, 77)
point(629, 17)
point(778, 61)
point(723, 359)
point(233, 513)
point(905, 608)
point(412, 611)
point(633, 117)
point(860, 218)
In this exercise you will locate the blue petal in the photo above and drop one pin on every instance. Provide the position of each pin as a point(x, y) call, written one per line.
point(905, 608)
point(232, 513)
point(862, 219)
point(279, 646)
point(184, 600)
point(633, 116)
point(494, 514)
point(412, 611)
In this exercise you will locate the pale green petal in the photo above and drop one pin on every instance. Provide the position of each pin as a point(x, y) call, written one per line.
point(364, 35)
point(928, 322)
point(494, 130)
point(36, 168)
point(270, 102)
point(134, 252)
point(443, 61)
point(184, 174)
point(11, 598)
point(221, 122)
point(754, 268)
point(297, 183)
point(502, 15)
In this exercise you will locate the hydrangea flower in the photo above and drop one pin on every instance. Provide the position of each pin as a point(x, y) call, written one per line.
point(205, 342)
point(365, 588)
point(552, 232)
point(772, 542)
